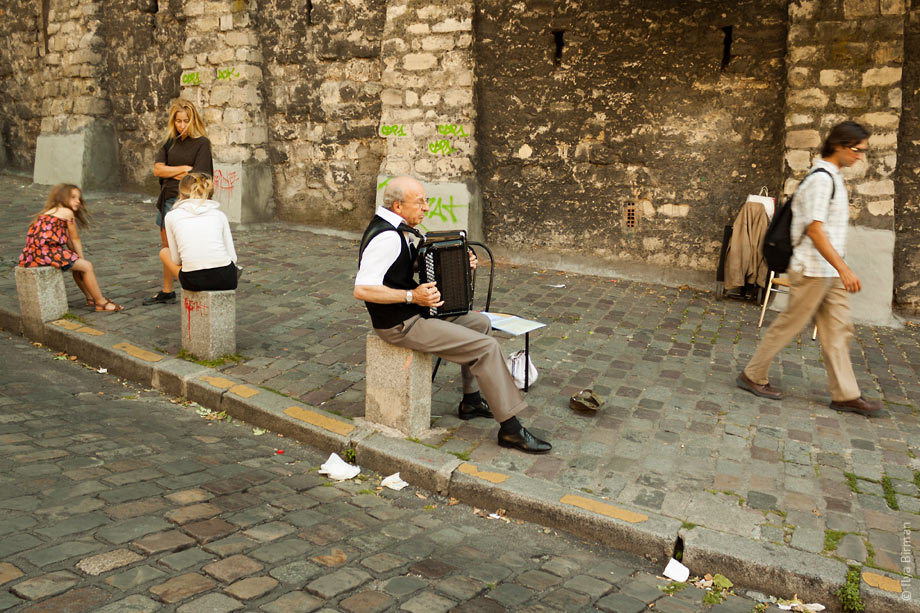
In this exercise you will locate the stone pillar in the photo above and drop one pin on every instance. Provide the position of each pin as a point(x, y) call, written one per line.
point(398, 387)
point(77, 141)
point(222, 74)
point(844, 62)
point(209, 323)
point(42, 298)
point(428, 112)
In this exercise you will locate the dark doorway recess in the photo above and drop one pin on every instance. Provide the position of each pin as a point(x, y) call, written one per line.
point(727, 46)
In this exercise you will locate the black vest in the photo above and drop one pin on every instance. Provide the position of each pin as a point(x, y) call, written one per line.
point(399, 276)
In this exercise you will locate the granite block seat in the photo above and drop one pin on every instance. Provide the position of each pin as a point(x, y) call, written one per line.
point(42, 297)
point(209, 323)
point(398, 387)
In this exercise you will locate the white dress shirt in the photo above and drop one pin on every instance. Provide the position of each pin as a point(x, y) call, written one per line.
point(382, 251)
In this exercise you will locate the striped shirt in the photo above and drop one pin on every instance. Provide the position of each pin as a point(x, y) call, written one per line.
point(812, 202)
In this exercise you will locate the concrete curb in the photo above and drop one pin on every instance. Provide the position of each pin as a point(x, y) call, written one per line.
point(763, 566)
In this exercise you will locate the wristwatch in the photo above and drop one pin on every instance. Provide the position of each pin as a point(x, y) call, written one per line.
point(408, 296)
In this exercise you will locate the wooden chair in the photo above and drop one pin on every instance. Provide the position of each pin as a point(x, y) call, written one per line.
point(772, 282)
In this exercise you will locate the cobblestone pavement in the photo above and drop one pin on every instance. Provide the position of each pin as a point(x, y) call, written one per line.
point(117, 499)
point(675, 436)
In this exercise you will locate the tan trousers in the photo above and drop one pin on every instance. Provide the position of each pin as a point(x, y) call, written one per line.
point(464, 340)
point(825, 300)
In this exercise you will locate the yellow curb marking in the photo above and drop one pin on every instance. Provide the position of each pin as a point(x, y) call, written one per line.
point(244, 391)
point(137, 352)
point(220, 382)
point(882, 582)
point(473, 471)
point(76, 326)
point(603, 509)
point(321, 421)
point(67, 324)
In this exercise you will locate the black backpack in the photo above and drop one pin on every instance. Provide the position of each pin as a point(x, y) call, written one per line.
point(777, 243)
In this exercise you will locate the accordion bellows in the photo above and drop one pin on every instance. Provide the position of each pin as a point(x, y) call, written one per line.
point(443, 257)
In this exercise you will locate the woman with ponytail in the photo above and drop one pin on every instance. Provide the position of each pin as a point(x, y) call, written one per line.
point(200, 252)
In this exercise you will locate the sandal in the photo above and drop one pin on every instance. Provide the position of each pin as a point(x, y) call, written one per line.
point(90, 303)
point(104, 308)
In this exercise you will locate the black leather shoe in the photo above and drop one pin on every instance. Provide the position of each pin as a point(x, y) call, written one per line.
point(161, 298)
point(470, 410)
point(523, 441)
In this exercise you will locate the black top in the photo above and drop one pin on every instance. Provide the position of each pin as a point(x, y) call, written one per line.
point(399, 276)
point(194, 152)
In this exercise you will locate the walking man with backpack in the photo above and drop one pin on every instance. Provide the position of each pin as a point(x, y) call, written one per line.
point(819, 278)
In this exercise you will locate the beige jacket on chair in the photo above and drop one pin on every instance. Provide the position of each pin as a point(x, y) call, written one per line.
point(744, 261)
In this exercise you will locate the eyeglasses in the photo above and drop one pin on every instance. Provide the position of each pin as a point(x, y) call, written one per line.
point(859, 151)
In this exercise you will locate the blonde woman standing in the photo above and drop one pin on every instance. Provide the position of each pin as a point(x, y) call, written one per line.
point(200, 249)
point(187, 149)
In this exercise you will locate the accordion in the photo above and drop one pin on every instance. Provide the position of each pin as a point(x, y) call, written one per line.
point(443, 257)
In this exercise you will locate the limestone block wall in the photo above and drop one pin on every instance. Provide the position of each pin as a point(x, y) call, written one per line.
point(23, 37)
point(71, 84)
point(321, 91)
point(428, 114)
point(845, 62)
point(907, 175)
point(627, 131)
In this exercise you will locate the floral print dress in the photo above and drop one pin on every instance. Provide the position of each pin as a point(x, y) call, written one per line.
point(46, 244)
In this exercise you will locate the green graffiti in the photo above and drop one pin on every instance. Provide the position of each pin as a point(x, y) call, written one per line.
point(440, 146)
point(449, 129)
point(392, 130)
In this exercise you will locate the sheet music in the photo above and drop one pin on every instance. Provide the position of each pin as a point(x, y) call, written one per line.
point(512, 324)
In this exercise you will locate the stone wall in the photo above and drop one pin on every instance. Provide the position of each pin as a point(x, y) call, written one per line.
point(907, 175)
point(23, 44)
point(141, 71)
point(845, 62)
point(322, 101)
point(627, 131)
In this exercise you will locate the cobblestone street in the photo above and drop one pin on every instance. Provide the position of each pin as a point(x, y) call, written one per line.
point(675, 436)
point(118, 499)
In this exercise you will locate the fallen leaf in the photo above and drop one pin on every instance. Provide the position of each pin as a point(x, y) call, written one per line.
point(258, 431)
point(420, 495)
point(452, 502)
point(336, 557)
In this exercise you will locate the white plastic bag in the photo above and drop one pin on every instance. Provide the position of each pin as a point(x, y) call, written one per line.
point(768, 202)
point(515, 363)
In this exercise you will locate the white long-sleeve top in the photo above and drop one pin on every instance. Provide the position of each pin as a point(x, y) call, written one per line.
point(199, 235)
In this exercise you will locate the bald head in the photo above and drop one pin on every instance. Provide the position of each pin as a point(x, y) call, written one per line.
point(398, 189)
point(406, 197)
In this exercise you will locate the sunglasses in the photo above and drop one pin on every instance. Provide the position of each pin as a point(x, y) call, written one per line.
point(859, 151)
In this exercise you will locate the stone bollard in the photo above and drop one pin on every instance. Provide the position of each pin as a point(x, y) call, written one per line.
point(41, 298)
point(209, 323)
point(398, 387)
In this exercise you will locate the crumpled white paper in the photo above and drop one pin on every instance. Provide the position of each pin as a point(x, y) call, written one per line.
point(338, 469)
point(676, 571)
point(394, 482)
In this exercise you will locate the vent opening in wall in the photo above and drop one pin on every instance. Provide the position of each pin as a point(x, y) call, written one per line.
point(629, 215)
point(309, 12)
point(726, 46)
point(46, 6)
point(559, 38)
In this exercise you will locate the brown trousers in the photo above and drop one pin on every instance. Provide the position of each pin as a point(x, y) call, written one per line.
point(824, 299)
point(464, 340)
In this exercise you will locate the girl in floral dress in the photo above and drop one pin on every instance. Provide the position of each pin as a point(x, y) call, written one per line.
point(53, 240)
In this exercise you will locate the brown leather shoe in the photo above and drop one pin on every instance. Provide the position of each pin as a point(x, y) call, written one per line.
point(764, 391)
point(870, 408)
